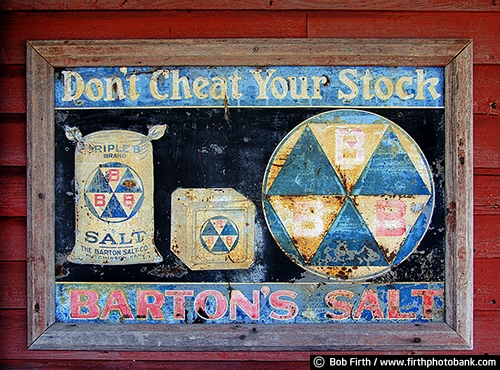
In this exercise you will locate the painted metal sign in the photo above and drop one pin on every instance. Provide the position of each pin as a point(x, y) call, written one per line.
point(348, 194)
point(272, 195)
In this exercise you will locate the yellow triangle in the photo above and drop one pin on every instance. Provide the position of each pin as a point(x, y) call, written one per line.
point(390, 218)
point(307, 219)
point(349, 147)
point(281, 155)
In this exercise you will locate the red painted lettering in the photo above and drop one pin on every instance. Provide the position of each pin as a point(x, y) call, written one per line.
point(290, 307)
point(342, 309)
point(99, 200)
point(179, 302)
point(369, 302)
point(251, 309)
point(394, 309)
point(128, 200)
point(117, 302)
point(113, 175)
point(427, 300)
point(149, 302)
point(210, 311)
point(390, 217)
point(83, 304)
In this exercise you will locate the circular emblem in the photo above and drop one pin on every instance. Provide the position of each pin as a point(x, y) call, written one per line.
point(348, 194)
point(114, 192)
point(219, 235)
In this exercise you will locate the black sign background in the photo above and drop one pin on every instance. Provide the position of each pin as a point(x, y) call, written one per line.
point(213, 147)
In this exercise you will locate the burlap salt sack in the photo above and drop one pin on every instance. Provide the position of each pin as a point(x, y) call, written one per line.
point(114, 197)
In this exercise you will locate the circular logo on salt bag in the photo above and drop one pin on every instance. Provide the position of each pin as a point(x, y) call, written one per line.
point(114, 192)
point(348, 194)
point(219, 235)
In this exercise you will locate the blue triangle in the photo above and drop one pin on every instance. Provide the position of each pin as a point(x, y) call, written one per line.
point(113, 209)
point(417, 232)
point(349, 242)
point(307, 171)
point(390, 171)
point(209, 229)
point(219, 246)
point(229, 230)
point(128, 184)
point(99, 184)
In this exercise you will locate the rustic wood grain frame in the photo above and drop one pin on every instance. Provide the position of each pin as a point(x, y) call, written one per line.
point(456, 332)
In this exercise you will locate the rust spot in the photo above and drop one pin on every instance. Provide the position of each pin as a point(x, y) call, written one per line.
point(343, 273)
point(61, 270)
point(129, 184)
point(173, 270)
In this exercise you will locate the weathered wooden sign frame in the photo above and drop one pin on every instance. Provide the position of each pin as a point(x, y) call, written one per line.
point(452, 54)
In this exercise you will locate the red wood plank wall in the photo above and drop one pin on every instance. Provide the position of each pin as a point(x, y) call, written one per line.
point(22, 20)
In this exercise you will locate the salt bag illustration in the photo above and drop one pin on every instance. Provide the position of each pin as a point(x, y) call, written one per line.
point(114, 197)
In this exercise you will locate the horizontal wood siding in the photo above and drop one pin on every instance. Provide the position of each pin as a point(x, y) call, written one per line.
point(84, 25)
point(388, 5)
point(23, 20)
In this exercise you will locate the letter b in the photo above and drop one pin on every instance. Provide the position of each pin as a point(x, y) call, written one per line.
point(390, 217)
point(83, 304)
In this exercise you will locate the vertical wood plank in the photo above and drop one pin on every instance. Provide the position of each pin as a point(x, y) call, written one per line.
point(40, 207)
point(459, 190)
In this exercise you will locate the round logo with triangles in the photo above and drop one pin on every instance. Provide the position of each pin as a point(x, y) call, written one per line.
point(114, 192)
point(219, 235)
point(348, 195)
